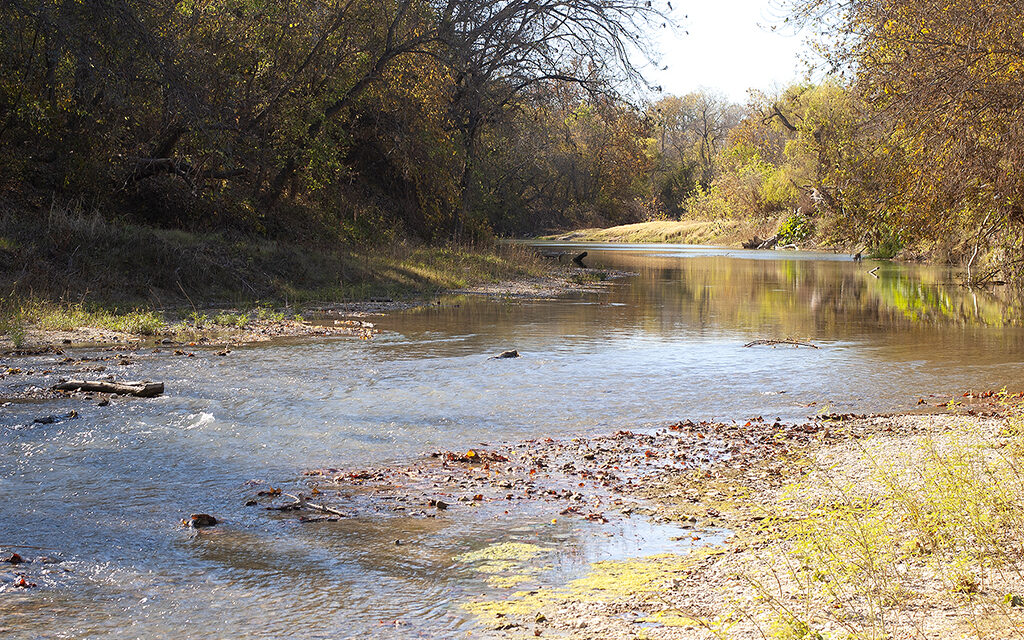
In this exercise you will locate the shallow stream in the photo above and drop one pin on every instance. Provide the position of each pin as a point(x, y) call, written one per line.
point(106, 491)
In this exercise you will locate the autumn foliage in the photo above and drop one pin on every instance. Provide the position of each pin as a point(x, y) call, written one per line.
point(460, 119)
point(345, 118)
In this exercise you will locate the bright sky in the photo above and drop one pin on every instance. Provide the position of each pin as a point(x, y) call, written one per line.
point(730, 48)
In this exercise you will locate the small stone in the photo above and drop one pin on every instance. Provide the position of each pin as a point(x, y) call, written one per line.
point(200, 520)
point(11, 558)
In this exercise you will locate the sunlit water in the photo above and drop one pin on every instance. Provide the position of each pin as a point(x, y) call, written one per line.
point(106, 491)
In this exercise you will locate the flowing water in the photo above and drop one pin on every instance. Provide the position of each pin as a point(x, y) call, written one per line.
point(106, 491)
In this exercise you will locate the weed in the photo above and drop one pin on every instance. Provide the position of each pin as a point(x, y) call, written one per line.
point(788, 627)
point(267, 314)
point(197, 320)
point(61, 316)
point(229, 319)
point(144, 323)
point(950, 515)
point(12, 324)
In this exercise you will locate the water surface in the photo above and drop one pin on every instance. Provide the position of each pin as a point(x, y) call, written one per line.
point(106, 490)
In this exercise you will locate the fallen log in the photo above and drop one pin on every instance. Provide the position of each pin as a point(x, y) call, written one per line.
point(138, 389)
point(578, 260)
point(757, 243)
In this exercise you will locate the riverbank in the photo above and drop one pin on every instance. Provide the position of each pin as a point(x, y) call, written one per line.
point(892, 526)
point(73, 279)
point(842, 526)
point(33, 325)
point(701, 232)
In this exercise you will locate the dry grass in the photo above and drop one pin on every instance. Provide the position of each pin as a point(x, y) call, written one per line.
point(67, 255)
point(64, 269)
point(900, 538)
point(912, 527)
point(699, 232)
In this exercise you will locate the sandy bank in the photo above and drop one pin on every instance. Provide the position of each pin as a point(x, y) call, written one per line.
point(898, 526)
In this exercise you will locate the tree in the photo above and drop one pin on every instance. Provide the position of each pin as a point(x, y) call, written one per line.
point(944, 81)
point(690, 131)
point(498, 50)
point(247, 114)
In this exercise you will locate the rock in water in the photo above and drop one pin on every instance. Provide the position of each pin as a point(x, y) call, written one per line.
point(11, 558)
point(200, 520)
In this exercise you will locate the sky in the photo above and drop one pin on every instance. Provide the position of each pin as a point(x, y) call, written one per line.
point(730, 48)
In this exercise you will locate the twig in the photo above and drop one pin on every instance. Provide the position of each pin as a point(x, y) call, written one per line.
point(872, 272)
point(300, 501)
point(772, 343)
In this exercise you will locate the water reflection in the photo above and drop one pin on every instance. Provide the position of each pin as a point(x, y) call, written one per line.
point(108, 488)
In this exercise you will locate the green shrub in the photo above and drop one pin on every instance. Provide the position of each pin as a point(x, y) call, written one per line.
point(796, 228)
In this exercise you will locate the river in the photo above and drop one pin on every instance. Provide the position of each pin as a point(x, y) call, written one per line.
point(105, 491)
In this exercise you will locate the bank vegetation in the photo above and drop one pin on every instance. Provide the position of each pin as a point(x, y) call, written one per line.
point(246, 148)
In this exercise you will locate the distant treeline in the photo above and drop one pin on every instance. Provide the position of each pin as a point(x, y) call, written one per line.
point(458, 119)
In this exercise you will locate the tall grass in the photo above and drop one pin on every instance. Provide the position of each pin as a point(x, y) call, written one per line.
point(940, 526)
point(61, 316)
point(67, 254)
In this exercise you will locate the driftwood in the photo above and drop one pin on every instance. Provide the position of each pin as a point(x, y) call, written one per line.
point(138, 389)
point(300, 502)
point(578, 260)
point(772, 343)
point(758, 243)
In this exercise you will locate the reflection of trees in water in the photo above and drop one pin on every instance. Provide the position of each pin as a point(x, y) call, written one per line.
point(708, 296)
point(811, 298)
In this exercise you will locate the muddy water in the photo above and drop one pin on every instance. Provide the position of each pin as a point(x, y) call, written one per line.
point(104, 491)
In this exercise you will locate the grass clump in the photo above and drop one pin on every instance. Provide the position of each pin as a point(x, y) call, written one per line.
point(589, 277)
point(789, 627)
point(62, 316)
point(231, 319)
point(12, 322)
point(941, 524)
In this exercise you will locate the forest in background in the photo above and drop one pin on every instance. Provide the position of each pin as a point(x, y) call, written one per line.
point(327, 123)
